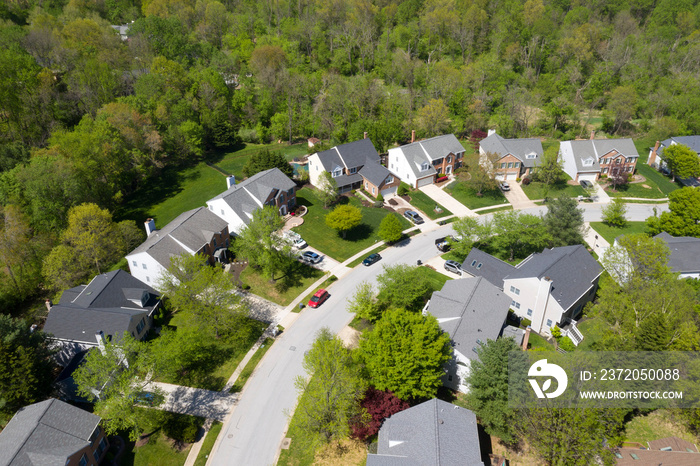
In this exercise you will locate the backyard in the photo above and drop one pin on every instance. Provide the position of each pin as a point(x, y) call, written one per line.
point(328, 241)
point(469, 198)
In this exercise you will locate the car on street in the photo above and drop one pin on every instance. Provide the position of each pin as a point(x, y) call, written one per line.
point(371, 259)
point(413, 216)
point(318, 298)
point(443, 244)
point(504, 186)
point(310, 257)
point(453, 266)
point(585, 184)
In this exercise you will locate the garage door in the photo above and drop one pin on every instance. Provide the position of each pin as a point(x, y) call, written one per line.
point(388, 191)
point(424, 181)
point(587, 176)
point(511, 176)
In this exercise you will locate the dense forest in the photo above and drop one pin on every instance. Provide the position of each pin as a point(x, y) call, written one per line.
point(89, 116)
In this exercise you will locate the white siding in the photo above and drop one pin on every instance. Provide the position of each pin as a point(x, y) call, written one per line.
point(534, 294)
point(217, 206)
point(151, 274)
point(567, 155)
point(398, 165)
point(315, 170)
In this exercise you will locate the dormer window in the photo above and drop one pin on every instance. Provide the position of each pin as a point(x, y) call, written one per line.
point(531, 156)
point(588, 162)
point(353, 170)
point(337, 172)
point(424, 167)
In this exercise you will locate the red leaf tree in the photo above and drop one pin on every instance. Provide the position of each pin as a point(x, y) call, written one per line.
point(379, 405)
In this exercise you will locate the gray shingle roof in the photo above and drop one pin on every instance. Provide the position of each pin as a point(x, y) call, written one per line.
point(691, 141)
point(429, 434)
point(518, 148)
point(685, 252)
point(571, 269)
point(351, 155)
point(193, 229)
point(374, 173)
point(103, 305)
point(471, 310)
point(428, 150)
point(46, 434)
point(346, 180)
point(596, 148)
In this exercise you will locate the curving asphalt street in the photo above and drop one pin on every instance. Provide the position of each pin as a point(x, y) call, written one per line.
point(257, 426)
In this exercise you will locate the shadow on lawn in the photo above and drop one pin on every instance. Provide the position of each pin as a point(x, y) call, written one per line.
point(359, 233)
point(294, 275)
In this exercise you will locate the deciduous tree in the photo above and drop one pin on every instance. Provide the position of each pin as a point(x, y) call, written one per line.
point(549, 171)
point(681, 160)
point(684, 216)
point(405, 353)
point(379, 405)
point(344, 218)
point(390, 229)
point(327, 189)
point(614, 213)
point(364, 303)
point(403, 287)
point(261, 243)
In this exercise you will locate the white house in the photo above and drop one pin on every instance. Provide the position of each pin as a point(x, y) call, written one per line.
point(418, 163)
point(197, 231)
point(471, 311)
point(237, 204)
point(591, 158)
point(548, 288)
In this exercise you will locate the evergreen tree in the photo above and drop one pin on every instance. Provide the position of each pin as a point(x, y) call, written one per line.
point(564, 222)
point(264, 160)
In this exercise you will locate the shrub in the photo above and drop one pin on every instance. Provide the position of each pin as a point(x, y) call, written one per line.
point(527, 180)
point(378, 405)
point(518, 179)
point(525, 323)
point(556, 332)
point(403, 189)
point(182, 428)
point(380, 197)
point(378, 204)
point(566, 344)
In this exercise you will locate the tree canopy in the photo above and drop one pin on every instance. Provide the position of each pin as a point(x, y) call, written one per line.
point(344, 218)
point(261, 243)
point(264, 160)
point(682, 161)
point(564, 222)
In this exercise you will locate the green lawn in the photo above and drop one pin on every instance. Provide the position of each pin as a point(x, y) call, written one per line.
point(225, 355)
point(537, 190)
point(436, 279)
point(287, 286)
point(208, 444)
point(327, 240)
point(610, 233)
point(495, 209)
point(654, 426)
point(426, 204)
point(468, 197)
point(593, 330)
point(251, 365)
point(301, 450)
point(233, 162)
point(537, 342)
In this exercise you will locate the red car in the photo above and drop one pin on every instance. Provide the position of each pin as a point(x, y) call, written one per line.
point(318, 299)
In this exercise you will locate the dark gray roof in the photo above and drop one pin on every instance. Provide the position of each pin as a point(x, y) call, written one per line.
point(485, 265)
point(374, 173)
point(258, 187)
point(110, 303)
point(46, 434)
point(193, 229)
point(345, 180)
point(571, 269)
point(685, 252)
point(351, 155)
point(471, 310)
point(596, 148)
point(429, 434)
point(428, 150)
point(691, 141)
point(518, 148)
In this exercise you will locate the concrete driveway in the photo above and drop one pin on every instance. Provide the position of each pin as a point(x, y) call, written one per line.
point(517, 197)
point(447, 201)
point(327, 264)
point(195, 401)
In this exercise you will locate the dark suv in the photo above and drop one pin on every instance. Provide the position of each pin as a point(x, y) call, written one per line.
point(413, 216)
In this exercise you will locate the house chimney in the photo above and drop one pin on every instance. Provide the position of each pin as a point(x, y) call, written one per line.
point(49, 304)
point(652, 154)
point(230, 181)
point(490, 132)
point(592, 135)
point(150, 226)
point(526, 337)
point(365, 134)
point(100, 338)
point(413, 135)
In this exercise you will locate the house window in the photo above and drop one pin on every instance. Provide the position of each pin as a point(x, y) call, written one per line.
point(503, 165)
point(510, 164)
point(424, 167)
point(94, 435)
point(515, 304)
point(353, 170)
point(366, 185)
point(214, 242)
point(290, 192)
point(473, 263)
point(337, 172)
point(141, 325)
point(449, 377)
point(630, 159)
point(517, 165)
point(83, 460)
point(529, 312)
point(101, 448)
point(531, 155)
point(389, 179)
point(135, 263)
point(449, 159)
point(514, 290)
point(144, 267)
point(549, 322)
point(374, 189)
point(617, 160)
point(605, 170)
point(148, 280)
point(222, 211)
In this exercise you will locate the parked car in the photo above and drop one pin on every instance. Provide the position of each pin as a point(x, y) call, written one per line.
point(585, 184)
point(413, 216)
point(310, 257)
point(148, 399)
point(504, 186)
point(318, 298)
point(299, 243)
point(443, 244)
point(453, 266)
point(371, 259)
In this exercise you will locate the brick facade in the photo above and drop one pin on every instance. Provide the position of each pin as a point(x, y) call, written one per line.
point(614, 162)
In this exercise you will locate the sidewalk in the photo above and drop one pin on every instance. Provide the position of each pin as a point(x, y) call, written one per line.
point(595, 241)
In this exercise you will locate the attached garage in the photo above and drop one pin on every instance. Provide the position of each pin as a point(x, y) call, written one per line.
point(587, 176)
point(425, 181)
point(388, 191)
point(511, 176)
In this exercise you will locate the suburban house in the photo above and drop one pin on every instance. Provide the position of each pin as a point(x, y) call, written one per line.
point(685, 254)
point(548, 288)
point(111, 304)
point(432, 433)
point(471, 311)
point(197, 231)
point(267, 188)
point(511, 158)
point(52, 432)
point(420, 162)
point(353, 165)
point(591, 158)
point(655, 153)
point(669, 450)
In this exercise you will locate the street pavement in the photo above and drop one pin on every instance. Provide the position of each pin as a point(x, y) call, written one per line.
point(254, 432)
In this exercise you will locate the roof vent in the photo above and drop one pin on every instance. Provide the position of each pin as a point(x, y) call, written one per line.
point(441, 421)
